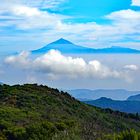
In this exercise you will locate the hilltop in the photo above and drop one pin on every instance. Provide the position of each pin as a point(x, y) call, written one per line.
point(32, 112)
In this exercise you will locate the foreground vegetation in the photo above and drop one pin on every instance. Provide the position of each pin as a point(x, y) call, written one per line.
point(32, 112)
point(125, 135)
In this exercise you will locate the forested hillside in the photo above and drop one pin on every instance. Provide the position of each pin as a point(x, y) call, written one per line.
point(128, 106)
point(32, 112)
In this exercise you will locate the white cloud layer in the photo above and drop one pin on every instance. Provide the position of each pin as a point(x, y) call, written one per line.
point(55, 65)
point(20, 60)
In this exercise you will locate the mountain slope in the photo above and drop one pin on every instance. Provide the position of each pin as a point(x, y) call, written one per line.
point(116, 94)
point(66, 46)
point(134, 98)
point(32, 112)
point(117, 49)
point(123, 106)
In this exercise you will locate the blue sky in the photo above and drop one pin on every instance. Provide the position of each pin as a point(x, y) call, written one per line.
point(94, 10)
point(28, 24)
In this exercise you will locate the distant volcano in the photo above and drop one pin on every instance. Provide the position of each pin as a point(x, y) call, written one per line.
point(66, 46)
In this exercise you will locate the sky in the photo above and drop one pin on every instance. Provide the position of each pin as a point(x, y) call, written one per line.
point(28, 25)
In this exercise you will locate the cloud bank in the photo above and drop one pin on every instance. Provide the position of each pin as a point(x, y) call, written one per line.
point(55, 65)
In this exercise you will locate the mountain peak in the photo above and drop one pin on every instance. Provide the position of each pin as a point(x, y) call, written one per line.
point(61, 41)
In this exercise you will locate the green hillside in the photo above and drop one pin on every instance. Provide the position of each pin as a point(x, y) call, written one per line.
point(32, 112)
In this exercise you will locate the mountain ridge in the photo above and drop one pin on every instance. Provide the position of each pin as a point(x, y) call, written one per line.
point(87, 94)
point(66, 46)
point(134, 98)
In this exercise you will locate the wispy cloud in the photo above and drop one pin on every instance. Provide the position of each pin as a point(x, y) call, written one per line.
point(32, 3)
point(124, 15)
point(25, 17)
point(135, 3)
